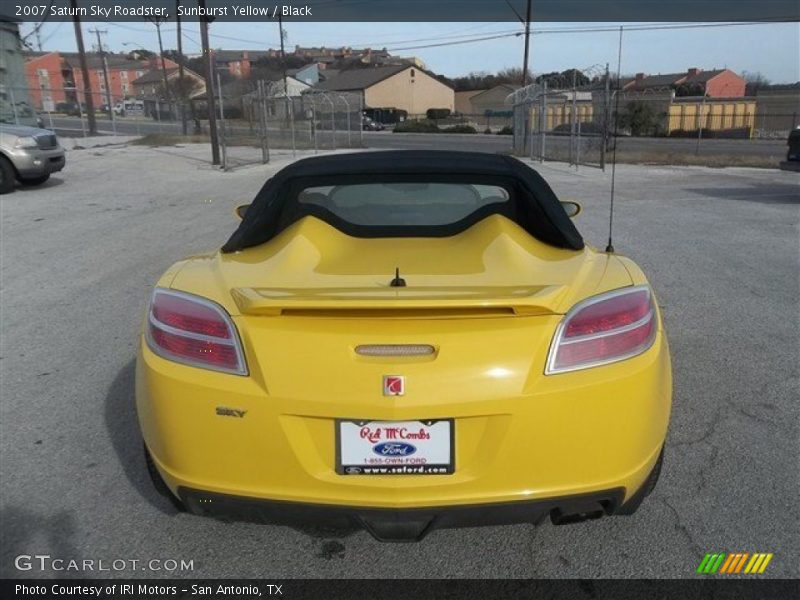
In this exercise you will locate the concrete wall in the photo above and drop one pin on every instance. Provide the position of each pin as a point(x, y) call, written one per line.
point(411, 90)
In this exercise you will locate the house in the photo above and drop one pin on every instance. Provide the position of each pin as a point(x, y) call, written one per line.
point(492, 102)
point(717, 83)
point(239, 63)
point(152, 82)
point(309, 74)
point(463, 105)
point(404, 86)
point(55, 77)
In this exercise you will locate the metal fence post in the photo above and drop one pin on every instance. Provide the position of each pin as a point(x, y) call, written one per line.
point(158, 114)
point(701, 116)
point(347, 109)
point(290, 105)
point(360, 115)
point(314, 122)
point(333, 121)
point(543, 122)
point(265, 110)
point(222, 124)
point(528, 124)
point(262, 121)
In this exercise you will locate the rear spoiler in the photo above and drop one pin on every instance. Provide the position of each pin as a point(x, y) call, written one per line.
point(407, 301)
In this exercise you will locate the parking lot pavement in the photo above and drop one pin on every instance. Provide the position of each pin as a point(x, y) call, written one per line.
point(80, 254)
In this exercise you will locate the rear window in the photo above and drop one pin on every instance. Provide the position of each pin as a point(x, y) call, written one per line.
point(403, 204)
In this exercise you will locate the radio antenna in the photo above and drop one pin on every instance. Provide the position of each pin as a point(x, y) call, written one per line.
point(610, 247)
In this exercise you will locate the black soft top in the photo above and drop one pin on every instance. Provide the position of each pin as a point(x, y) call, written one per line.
point(532, 204)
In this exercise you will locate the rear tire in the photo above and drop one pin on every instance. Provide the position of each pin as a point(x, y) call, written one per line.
point(632, 505)
point(158, 482)
point(34, 180)
point(7, 176)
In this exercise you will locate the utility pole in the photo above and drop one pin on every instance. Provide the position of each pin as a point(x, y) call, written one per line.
point(87, 85)
point(527, 45)
point(181, 89)
point(283, 55)
point(157, 22)
point(102, 54)
point(212, 117)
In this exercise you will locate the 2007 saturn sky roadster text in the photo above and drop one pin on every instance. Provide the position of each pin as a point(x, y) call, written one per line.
point(405, 341)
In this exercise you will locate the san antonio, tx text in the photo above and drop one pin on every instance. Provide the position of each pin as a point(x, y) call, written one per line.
point(125, 589)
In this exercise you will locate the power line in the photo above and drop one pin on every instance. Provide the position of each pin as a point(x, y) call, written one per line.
point(599, 29)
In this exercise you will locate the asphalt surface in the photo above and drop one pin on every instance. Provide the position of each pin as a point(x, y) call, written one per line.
point(80, 254)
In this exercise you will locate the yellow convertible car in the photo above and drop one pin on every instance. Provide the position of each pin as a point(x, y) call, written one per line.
point(403, 341)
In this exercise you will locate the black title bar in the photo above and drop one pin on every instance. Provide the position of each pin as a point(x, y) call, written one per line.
point(409, 10)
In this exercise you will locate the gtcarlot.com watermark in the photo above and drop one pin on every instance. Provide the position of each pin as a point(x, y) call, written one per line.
point(48, 563)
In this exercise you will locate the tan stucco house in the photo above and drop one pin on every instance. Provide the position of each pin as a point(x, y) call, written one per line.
point(463, 101)
point(492, 100)
point(405, 87)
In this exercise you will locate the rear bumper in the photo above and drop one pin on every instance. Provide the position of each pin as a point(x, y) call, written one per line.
point(403, 525)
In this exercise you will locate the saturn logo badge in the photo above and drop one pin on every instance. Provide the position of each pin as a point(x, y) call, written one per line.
point(394, 385)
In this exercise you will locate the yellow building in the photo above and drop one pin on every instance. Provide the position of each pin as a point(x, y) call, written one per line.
point(405, 87)
point(718, 114)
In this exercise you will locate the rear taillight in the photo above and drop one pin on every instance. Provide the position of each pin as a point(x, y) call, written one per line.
point(604, 329)
point(194, 331)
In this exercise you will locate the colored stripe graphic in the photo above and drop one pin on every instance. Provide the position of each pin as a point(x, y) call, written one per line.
point(727, 564)
point(703, 563)
point(730, 564)
point(714, 562)
point(764, 564)
point(734, 563)
point(740, 564)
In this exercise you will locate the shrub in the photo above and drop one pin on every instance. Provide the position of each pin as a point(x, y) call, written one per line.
point(459, 129)
point(506, 131)
point(437, 113)
point(423, 126)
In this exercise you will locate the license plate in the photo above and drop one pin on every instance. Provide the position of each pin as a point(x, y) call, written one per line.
point(395, 447)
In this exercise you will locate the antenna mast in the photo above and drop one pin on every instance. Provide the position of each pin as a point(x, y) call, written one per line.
point(610, 247)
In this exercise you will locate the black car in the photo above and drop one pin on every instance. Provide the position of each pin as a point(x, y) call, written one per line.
point(793, 154)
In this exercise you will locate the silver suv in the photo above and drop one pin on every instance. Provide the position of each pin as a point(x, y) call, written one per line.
point(28, 155)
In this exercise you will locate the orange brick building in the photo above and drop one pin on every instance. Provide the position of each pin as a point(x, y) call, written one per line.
point(55, 77)
point(717, 83)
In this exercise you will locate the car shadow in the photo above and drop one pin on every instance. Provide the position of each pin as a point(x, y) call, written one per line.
point(123, 429)
point(774, 193)
point(52, 182)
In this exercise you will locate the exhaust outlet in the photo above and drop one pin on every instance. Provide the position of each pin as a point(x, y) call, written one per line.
point(577, 514)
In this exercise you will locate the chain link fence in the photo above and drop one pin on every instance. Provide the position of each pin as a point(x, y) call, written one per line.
point(254, 118)
point(265, 118)
point(582, 125)
point(66, 110)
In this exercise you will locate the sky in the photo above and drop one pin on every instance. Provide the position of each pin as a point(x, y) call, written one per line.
point(770, 49)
